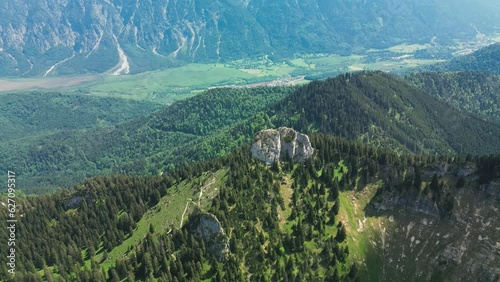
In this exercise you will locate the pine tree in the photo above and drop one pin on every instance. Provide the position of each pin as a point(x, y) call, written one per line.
point(417, 182)
point(341, 234)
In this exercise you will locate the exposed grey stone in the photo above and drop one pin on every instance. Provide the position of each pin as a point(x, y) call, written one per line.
point(452, 254)
point(492, 188)
point(414, 204)
point(74, 201)
point(438, 168)
point(467, 169)
point(206, 226)
point(267, 147)
point(273, 145)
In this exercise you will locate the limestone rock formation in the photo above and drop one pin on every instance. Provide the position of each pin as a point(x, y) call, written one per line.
point(273, 145)
point(74, 201)
point(206, 227)
point(413, 203)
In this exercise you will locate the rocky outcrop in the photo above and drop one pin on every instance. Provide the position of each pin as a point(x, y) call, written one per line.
point(438, 168)
point(492, 188)
point(273, 145)
point(451, 254)
point(74, 201)
point(467, 169)
point(206, 227)
point(415, 204)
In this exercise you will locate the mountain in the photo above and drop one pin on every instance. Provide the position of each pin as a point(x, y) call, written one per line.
point(65, 157)
point(52, 37)
point(486, 59)
point(353, 212)
point(25, 115)
point(475, 92)
point(372, 107)
point(385, 110)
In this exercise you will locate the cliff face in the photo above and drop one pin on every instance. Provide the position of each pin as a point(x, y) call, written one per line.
point(421, 238)
point(273, 145)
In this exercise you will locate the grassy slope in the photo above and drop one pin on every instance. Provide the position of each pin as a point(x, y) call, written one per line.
point(362, 231)
point(167, 214)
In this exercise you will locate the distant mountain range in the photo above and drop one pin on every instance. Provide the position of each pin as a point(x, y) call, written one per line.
point(49, 37)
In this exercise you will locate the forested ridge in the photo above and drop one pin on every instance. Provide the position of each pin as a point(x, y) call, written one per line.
point(486, 59)
point(68, 156)
point(216, 109)
point(25, 115)
point(379, 142)
point(474, 92)
point(382, 109)
point(281, 221)
point(371, 107)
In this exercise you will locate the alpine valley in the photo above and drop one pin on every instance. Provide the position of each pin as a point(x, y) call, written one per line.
point(56, 37)
point(367, 175)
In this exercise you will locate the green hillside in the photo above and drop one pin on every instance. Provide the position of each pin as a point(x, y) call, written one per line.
point(338, 217)
point(486, 59)
point(371, 107)
point(474, 92)
point(384, 110)
point(66, 157)
point(25, 115)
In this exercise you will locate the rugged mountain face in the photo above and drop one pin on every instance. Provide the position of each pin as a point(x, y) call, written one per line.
point(452, 234)
point(49, 37)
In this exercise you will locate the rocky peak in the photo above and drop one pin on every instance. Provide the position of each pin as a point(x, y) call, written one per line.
point(272, 145)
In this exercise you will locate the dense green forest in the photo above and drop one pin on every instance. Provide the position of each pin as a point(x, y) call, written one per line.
point(25, 115)
point(371, 107)
point(216, 109)
point(486, 59)
point(474, 92)
point(381, 109)
point(66, 157)
point(282, 222)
